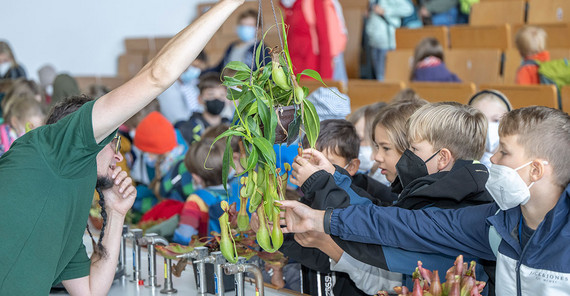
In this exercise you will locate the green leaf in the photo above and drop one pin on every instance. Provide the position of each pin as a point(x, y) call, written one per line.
point(259, 93)
point(242, 75)
point(230, 82)
point(266, 150)
point(227, 133)
point(265, 116)
point(227, 158)
point(311, 122)
point(234, 94)
point(252, 159)
point(238, 66)
point(273, 126)
point(254, 127)
point(311, 73)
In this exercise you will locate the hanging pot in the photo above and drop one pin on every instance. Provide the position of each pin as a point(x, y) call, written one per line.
point(285, 116)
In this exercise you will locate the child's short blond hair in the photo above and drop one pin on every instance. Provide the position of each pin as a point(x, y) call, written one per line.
point(544, 133)
point(460, 128)
point(530, 40)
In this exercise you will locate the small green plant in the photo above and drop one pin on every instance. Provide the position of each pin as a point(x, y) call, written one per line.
point(260, 97)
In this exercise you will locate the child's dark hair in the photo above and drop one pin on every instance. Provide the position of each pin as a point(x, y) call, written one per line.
point(248, 13)
point(205, 160)
point(338, 136)
point(426, 48)
point(209, 80)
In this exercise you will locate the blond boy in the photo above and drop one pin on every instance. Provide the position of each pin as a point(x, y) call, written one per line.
point(531, 44)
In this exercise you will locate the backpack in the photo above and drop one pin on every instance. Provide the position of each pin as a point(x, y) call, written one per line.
point(556, 72)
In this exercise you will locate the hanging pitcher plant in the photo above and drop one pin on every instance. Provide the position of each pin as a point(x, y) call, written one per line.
point(264, 98)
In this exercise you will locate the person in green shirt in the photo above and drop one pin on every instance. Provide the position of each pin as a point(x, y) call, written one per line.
point(48, 177)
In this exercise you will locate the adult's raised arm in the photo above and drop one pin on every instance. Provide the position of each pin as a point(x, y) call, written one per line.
point(114, 108)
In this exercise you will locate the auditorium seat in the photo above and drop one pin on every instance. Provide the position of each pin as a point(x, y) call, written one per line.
point(497, 12)
point(364, 92)
point(548, 11)
point(488, 36)
point(475, 65)
point(527, 95)
point(409, 38)
point(399, 64)
point(565, 96)
point(441, 91)
point(313, 84)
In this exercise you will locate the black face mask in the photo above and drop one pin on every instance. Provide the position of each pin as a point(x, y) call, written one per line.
point(215, 106)
point(410, 167)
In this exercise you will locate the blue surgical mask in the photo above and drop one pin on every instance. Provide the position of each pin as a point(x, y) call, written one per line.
point(246, 33)
point(191, 74)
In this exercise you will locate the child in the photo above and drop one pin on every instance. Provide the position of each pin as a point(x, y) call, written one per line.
point(494, 105)
point(213, 98)
point(531, 44)
point(180, 100)
point(437, 170)
point(428, 63)
point(202, 208)
point(525, 231)
point(21, 114)
point(339, 143)
point(157, 150)
point(384, 16)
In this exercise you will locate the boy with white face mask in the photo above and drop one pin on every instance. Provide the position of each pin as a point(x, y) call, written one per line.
point(529, 241)
point(493, 104)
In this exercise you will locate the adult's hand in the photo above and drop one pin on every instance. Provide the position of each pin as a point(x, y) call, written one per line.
point(121, 196)
point(300, 218)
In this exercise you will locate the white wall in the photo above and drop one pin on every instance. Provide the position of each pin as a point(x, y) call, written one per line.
point(86, 37)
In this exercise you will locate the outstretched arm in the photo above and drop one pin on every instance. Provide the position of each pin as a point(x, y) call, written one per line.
point(114, 108)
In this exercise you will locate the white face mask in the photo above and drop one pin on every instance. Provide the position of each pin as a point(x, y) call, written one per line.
point(4, 67)
point(506, 186)
point(366, 162)
point(492, 137)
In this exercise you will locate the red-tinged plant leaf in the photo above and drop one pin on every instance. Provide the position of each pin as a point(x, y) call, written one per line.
point(425, 274)
point(435, 288)
point(247, 253)
point(459, 265)
point(418, 290)
point(382, 293)
point(173, 250)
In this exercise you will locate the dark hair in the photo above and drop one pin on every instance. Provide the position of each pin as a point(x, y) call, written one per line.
point(214, 131)
point(209, 80)
point(248, 13)
point(202, 56)
point(427, 47)
point(204, 158)
point(338, 136)
point(66, 107)
point(405, 95)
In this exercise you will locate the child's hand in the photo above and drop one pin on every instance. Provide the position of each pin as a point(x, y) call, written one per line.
point(312, 239)
point(311, 162)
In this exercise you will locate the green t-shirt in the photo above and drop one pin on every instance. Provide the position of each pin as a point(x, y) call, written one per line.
point(47, 180)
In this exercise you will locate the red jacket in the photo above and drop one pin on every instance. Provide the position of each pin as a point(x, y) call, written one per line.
point(528, 74)
point(309, 45)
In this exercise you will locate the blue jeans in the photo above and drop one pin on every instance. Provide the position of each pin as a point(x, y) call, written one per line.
point(446, 18)
point(379, 62)
point(339, 68)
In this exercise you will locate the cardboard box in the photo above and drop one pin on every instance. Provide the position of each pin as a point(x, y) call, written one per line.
point(130, 64)
point(85, 82)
